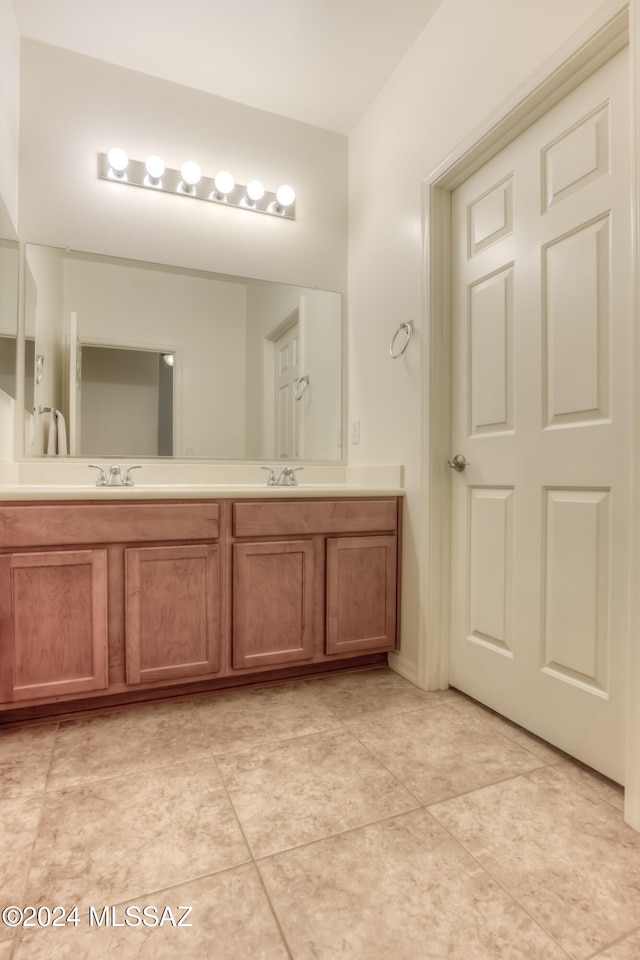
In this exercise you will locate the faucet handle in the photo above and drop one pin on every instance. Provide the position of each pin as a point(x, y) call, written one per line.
point(102, 477)
point(271, 479)
point(127, 480)
point(291, 471)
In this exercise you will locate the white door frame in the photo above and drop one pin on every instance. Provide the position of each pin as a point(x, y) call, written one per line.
point(615, 25)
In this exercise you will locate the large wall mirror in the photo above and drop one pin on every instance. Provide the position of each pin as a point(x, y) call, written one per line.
point(145, 360)
point(9, 265)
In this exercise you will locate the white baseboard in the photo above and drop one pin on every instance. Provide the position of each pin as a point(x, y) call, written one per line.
point(404, 667)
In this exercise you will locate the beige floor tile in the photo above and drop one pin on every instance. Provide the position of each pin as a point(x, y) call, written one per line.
point(545, 751)
point(372, 693)
point(566, 855)
point(603, 787)
point(627, 949)
point(443, 753)
point(247, 717)
point(5, 949)
point(125, 741)
point(18, 829)
point(25, 755)
point(231, 920)
point(401, 889)
point(111, 840)
point(300, 790)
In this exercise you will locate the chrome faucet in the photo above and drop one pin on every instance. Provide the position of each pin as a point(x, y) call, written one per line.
point(287, 477)
point(116, 479)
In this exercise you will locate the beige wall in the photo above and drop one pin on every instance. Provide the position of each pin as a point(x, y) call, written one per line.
point(202, 319)
point(74, 107)
point(470, 58)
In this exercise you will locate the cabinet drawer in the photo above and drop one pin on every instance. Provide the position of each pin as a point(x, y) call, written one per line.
point(66, 524)
point(296, 517)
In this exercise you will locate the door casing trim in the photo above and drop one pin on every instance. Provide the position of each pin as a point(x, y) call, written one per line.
point(614, 26)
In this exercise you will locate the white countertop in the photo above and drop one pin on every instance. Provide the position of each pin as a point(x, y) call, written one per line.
point(190, 491)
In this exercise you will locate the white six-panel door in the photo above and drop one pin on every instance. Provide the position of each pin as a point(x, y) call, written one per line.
point(541, 410)
point(288, 363)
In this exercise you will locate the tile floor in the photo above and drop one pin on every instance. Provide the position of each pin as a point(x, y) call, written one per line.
point(352, 816)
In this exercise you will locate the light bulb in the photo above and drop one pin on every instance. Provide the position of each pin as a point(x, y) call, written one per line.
point(191, 172)
point(118, 161)
point(168, 359)
point(285, 195)
point(224, 183)
point(155, 167)
point(255, 190)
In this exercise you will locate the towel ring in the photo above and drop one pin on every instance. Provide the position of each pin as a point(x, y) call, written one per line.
point(300, 387)
point(407, 328)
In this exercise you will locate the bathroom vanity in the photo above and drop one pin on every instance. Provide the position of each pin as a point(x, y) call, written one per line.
point(106, 601)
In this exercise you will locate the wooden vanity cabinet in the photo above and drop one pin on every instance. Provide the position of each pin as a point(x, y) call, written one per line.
point(325, 588)
point(87, 606)
point(104, 602)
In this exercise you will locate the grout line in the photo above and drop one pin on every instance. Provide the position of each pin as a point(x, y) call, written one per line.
point(43, 799)
point(276, 918)
point(485, 786)
point(152, 768)
point(339, 833)
point(247, 844)
point(614, 943)
point(503, 887)
point(395, 775)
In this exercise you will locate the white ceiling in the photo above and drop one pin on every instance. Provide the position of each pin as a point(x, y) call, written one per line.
point(319, 61)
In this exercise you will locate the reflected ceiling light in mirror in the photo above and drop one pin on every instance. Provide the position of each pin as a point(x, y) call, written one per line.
point(189, 182)
point(118, 162)
point(168, 359)
point(155, 168)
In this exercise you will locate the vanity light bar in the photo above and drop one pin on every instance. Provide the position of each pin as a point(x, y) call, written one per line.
point(189, 182)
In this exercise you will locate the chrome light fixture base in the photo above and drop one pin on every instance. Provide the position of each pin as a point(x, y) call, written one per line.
point(172, 182)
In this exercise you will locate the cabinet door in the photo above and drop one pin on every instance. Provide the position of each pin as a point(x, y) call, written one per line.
point(172, 612)
point(361, 594)
point(272, 602)
point(53, 623)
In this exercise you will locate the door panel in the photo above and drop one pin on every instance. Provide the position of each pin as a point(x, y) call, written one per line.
point(288, 364)
point(577, 607)
point(541, 346)
point(576, 325)
point(361, 593)
point(273, 597)
point(53, 614)
point(172, 612)
point(490, 583)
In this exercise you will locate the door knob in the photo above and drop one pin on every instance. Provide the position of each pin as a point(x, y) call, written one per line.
point(458, 462)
